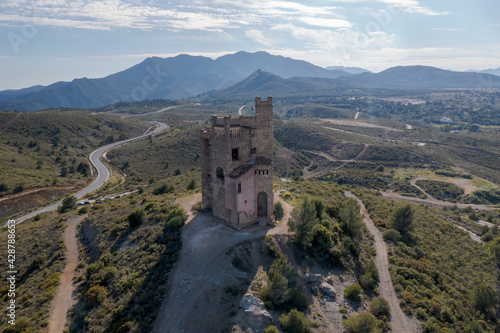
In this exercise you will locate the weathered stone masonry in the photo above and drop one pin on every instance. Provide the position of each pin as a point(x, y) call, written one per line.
point(237, 167)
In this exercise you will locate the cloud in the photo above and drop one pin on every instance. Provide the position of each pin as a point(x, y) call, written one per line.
point(325, 22)
point(344, 41)
point(109, 14)
point(412, 6)
point(258, 36)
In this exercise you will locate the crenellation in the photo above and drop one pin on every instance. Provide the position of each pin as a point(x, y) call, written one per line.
point(237, 167)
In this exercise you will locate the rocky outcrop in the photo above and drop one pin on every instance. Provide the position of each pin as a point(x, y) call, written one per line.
point(312, 278)
point(254, 310)
point(328, 289)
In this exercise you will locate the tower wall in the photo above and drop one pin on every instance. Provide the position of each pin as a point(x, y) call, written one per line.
point(232, 149)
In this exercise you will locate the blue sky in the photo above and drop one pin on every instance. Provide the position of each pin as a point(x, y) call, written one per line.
point(44, 41)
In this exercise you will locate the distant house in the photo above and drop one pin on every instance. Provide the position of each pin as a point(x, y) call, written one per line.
point(445, 120)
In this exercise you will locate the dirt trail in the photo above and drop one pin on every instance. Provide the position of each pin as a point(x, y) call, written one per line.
point(399, 321)
point(187, 204)
point(65, 297)
point(433, 201)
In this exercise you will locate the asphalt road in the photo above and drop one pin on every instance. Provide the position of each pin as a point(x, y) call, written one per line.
point(103, 173)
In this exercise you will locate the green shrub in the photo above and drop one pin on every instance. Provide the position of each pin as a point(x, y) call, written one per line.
point(295, 322)
point(136, 218)
point(175, 218)
point(83, 210)
point(271, 329)
point(362, 323)
point(380, 307)
point(353, 292)
point(162, 189)
point(96, 295)
point(392, 235)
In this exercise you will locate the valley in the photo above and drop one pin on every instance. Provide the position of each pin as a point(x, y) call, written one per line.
point(348, 162)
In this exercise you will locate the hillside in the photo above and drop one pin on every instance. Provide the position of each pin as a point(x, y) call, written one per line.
point(45, 150)
point(262, 83)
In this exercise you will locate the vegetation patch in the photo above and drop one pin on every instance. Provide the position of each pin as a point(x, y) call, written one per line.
point(436, 267)
point(441, 190)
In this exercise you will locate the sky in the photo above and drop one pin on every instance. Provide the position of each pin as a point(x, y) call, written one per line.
point(45, 41)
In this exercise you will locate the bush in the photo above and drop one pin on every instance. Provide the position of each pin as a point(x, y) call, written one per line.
point(380, 307)
point(362, 323)
point(96, 295)
point(83, 210)
point(163, 189)
point(175, 218)
point(136, 218)
point(392, 235)
point(295, 322)
point(271, 329)
point(353, 292)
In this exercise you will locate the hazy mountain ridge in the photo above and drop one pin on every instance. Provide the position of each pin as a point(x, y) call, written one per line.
point(185, 76)
point(170, 78)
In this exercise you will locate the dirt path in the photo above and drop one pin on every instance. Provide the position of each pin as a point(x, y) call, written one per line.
point(433, 201)
point(399, 321)
point(187, 204)
point(196, 285)
point(65, 297)
point(466, 184)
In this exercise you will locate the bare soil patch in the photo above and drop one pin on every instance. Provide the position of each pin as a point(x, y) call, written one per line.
point(31, 198)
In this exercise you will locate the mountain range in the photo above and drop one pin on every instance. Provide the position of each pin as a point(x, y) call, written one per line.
point(185, 76)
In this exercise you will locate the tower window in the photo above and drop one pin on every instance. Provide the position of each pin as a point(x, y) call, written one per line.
point(235, 154)
point(239, 187)
point(220, 173)
point(253, 150)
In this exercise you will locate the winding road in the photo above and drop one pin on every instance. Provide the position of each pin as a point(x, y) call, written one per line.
point(103, 172)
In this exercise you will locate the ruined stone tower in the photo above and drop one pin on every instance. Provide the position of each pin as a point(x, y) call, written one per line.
point(237, 167)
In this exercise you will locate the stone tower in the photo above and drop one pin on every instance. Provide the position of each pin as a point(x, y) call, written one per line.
point(237, 167)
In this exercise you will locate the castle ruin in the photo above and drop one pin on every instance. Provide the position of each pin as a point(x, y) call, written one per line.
point(237, 167)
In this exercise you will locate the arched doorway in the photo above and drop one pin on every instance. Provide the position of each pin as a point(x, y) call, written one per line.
point(262, 204)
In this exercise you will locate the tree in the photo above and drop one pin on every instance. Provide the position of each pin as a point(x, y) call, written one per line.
point(295, 322)
point(320, 207)
point(191, 185)
point(362, 323)
point(279, 212)
point(402, 219)
point(136, 218)
point(302, 222)
point(485, 298)
point(4, 187)
point(68, 203)
point(352, 221)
